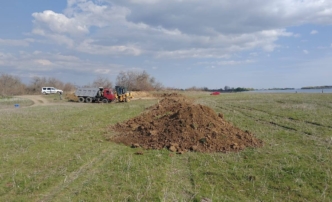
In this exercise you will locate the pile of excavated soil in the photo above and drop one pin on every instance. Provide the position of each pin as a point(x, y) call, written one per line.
point(71, 97)
point(179, 125)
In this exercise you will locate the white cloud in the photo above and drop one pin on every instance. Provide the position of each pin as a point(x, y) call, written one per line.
point(57, 39)
point(144, 1)
point(40, 63)
point(43, 62)
point(11, 42)
point(229, 33)
point(222, 44)
point(53, 38)
point(92, 47)
point(91, 14)
point(5, 55)
point(223, 16)
point(313, 32)
point(58, 23)
point(102, 71)
point(158, 28)
point(193, 53)
point(234, 62)
point(225, 63)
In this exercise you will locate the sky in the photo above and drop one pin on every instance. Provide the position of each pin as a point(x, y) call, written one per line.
point(181, 43)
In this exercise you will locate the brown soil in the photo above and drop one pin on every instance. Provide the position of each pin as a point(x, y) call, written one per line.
point(179, 125)
point(71, 97)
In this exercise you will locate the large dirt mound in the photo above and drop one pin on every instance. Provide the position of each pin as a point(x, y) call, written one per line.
point(179, 125)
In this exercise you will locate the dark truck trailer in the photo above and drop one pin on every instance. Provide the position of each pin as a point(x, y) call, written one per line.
point(89, 95)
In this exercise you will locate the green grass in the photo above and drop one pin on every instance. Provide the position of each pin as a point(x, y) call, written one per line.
point(61, 153)
point(10, 102)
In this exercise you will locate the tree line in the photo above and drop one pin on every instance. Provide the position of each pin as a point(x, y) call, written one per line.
point(134, 80)
point(226, 89)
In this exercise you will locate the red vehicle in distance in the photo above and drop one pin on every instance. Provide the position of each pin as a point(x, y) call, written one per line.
point(215, 93)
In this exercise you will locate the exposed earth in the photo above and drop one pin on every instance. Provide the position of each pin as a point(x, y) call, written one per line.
point(179, 125)
point(36, 99)
point(42, 100)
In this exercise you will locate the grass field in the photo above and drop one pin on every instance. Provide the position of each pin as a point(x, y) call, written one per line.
point(10, 102)
point(61, 153)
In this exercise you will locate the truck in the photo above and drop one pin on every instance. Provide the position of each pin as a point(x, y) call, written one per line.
point(122, 94)
point(100, 94)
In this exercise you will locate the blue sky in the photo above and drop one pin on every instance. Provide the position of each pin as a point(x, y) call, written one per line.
point(182, 43)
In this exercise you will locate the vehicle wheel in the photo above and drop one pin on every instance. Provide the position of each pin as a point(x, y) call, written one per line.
point(88, 99)
point(105, 101)
point(81, 99)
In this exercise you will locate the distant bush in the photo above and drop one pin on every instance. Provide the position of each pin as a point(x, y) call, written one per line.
point(11, 85)
point(37, 83)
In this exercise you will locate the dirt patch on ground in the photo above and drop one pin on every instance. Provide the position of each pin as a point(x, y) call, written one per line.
point(36, 99)
point(179, 125)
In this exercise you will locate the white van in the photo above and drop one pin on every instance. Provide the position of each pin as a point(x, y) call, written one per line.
point(50, 90)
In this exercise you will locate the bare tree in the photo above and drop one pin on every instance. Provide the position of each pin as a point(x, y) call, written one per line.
point(194, 88)
point(101, 81)
point(126, 79)
point(137, 81)
point(36, 84)
point(68, 87)
point(54, 82)
point(11, 85)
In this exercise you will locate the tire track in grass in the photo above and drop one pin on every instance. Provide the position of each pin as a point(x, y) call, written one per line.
point(289, 118)
point(266, 122)
point(283, 117)
point(36, 99)
point(276, 115)
point(261, 120)
point(83, 170)
point(308, 134)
